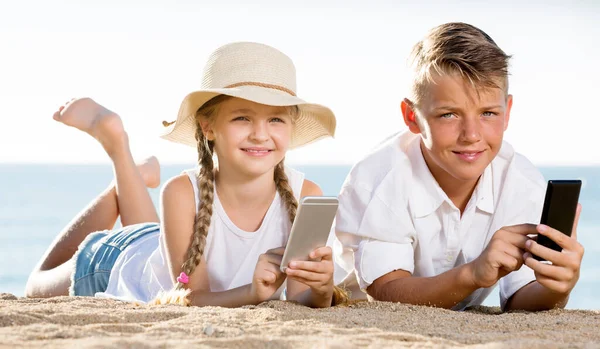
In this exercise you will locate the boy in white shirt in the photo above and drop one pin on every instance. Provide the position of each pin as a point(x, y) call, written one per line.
point(439, 214)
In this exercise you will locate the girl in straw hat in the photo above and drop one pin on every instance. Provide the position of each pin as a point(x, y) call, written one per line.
point(222, 226)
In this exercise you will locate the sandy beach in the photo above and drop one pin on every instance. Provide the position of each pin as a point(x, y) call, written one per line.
point(69, 322)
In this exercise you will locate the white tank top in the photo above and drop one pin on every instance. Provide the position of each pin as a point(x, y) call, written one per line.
point(141, 270)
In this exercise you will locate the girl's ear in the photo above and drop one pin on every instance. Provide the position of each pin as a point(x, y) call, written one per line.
point(207, 130)
point(410, 116)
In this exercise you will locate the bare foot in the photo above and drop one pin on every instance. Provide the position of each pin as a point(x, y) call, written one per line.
point(88, 116)
point(150, 170)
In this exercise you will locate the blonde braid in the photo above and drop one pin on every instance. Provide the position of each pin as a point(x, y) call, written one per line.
point(285, 191)
point(340, 296)
point(206, 184)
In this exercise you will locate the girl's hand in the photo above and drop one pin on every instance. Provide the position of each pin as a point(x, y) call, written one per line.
point(267, 276)
point(316, 273)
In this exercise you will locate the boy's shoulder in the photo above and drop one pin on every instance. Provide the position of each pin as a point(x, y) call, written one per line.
point(519, 167)
point(389, 158)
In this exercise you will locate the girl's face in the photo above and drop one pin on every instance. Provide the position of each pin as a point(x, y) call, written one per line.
point(250, 138)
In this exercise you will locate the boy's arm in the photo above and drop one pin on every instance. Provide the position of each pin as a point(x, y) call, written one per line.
point(502, 255)
point(535, 297)
point(444, 290)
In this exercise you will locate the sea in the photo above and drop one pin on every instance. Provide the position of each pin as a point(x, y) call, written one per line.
point(38, 200)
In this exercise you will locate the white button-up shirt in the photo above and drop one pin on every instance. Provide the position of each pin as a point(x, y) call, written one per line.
point(394, 215)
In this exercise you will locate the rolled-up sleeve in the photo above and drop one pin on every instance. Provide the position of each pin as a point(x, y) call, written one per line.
point(513, 282)
point(379, 237)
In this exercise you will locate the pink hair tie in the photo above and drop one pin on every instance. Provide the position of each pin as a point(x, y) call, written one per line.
point(183, 278)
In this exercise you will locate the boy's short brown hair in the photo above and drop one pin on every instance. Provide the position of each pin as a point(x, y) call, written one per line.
point(458, 48)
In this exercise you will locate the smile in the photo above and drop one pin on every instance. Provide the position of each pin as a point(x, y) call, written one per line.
point(469, 156)
point(257, 152)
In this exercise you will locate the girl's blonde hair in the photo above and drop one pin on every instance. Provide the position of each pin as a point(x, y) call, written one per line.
point(206, 185)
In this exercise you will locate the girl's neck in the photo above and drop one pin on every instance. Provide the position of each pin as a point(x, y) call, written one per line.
point(237, 190)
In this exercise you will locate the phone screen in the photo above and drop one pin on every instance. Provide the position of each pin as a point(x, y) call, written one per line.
point(559, 211)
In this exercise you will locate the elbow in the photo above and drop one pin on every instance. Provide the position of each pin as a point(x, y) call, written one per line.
point(387, 288)
point(377, 292)
point(32, 290)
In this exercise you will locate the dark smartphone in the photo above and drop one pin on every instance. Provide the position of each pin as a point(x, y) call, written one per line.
point(559, 210)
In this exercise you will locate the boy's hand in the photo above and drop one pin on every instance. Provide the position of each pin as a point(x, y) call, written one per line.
point(562, 275)
point(318, 275)
point(503, 255)
point(267, 276)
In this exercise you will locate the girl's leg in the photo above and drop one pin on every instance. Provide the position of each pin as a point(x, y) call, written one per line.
point(127, 196)
point(135, 204)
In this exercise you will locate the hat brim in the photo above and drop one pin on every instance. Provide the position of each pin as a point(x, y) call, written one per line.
point(314, 121)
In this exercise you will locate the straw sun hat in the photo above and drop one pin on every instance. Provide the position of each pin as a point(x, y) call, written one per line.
point(258, 73)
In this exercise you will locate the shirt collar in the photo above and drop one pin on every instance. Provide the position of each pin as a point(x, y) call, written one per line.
point(429, 196)
point(484, 193)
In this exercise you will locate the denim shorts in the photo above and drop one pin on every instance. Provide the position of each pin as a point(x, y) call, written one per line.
point(97, 255)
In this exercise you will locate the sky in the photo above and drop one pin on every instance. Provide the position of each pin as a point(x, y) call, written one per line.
point(140, 58)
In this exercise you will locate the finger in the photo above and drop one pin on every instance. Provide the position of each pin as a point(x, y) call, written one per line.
point(315, 267)
point(521, 229)
point(276, 251)
point(510, 250)
point(303, 274)
point(549, 271)
point(56, 116)
point(324, 252)
point(273, 269)
point(561, 239)
point(271, 258)
point(517, 240)
point(544, 252)
point(266, 276)
point(518, 257)
point(576, 222)
point(309, 283)
point(553, 285)
point(506, 261)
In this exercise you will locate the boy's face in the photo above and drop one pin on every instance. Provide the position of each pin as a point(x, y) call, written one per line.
point(461, 130)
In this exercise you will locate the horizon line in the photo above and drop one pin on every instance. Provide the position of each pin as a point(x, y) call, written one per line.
point(104, 163)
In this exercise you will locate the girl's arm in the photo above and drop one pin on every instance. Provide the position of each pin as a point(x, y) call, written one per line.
point(311, 283)
point(178, 212)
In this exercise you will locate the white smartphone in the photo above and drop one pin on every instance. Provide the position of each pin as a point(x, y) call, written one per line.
point(310, 229)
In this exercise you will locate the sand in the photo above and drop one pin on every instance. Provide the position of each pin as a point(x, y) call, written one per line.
point(80, 322)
